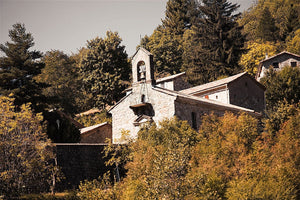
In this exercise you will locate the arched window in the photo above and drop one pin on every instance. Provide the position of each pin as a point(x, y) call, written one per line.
point(141, 70)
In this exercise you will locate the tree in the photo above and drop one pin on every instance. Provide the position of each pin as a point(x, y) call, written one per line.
point(283, 17)
point(105, 69)
point(293, 43)
point(267, 30)
point(26, 154)
point(257, 51)
point(180, 15)
point(160, 162)
point(218, 42)
point(165, 43)
point(167, 51)
point(61, 74)
point(282, 85)
point(272, 170)
point(220, 154)
point(18, 68)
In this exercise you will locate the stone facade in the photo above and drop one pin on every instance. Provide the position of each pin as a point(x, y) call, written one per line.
point(278, 62)
point(240, 90)
point(153, 101)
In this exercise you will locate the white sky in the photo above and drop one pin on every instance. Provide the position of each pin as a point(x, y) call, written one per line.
point(67, 24)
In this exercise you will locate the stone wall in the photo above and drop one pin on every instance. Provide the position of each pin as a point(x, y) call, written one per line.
point(123, 116)
point(184, 110)
point(80, 162)
point(180, 83)
point(246, 92)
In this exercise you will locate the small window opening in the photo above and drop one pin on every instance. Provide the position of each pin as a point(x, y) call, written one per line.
point(246, 84)
point(276, 65)
point(143, 98)
point(293, 64)
point(194, 120)
point(216, 96)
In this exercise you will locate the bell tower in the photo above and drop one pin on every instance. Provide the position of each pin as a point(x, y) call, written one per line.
point(142, 67)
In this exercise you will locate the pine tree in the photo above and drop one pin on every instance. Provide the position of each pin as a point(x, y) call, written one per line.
point(166, 41)
point(105, 69)
point(180, 15)
point(19, 66)
point(267, 30)
point(217, 42)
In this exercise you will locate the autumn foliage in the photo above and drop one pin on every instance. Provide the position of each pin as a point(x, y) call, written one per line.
point(230, 157)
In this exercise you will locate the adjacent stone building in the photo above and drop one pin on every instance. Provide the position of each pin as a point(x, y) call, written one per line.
point(98, 133)
point(278, 62)
point(151, 100)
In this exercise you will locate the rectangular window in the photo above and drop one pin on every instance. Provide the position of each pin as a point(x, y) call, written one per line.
point(293, 64)
point(194, 120)
point(275, 65)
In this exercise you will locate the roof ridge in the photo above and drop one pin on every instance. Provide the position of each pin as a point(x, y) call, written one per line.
point(203, 100)
point(215, 83)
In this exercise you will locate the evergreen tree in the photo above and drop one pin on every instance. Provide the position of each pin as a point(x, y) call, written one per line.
point(180, 15)
point(19, 66)
point(266, 30)
point(166, 41)
point(217, 42)
point(104, 69)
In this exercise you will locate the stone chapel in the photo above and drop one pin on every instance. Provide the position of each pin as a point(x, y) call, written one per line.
point(150, 100)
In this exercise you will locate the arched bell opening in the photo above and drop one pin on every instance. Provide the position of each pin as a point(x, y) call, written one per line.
point(141, 71)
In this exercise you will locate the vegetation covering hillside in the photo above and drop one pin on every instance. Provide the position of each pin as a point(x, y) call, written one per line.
point(230, 157)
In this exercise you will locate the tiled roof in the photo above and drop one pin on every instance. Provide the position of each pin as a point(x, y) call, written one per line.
point(87, 129)
point(213, 84)
point(170, 77)
point(206, 101)
point(283, 52)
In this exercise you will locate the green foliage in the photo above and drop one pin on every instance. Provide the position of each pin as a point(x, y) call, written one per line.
point(167, 51)
point(266, 30)
point(26, 155)
point(104, 69)
point(280, 16)
point(97, 189)
point(180, 15)
point(293, 42)
point(60, 73)
point(19, 66)
point(165, 43)
point(281, 85)
point(217, 42)
point(256, 52)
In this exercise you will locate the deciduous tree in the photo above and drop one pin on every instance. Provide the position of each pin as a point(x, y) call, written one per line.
point(105, 69)
point(26, 155)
